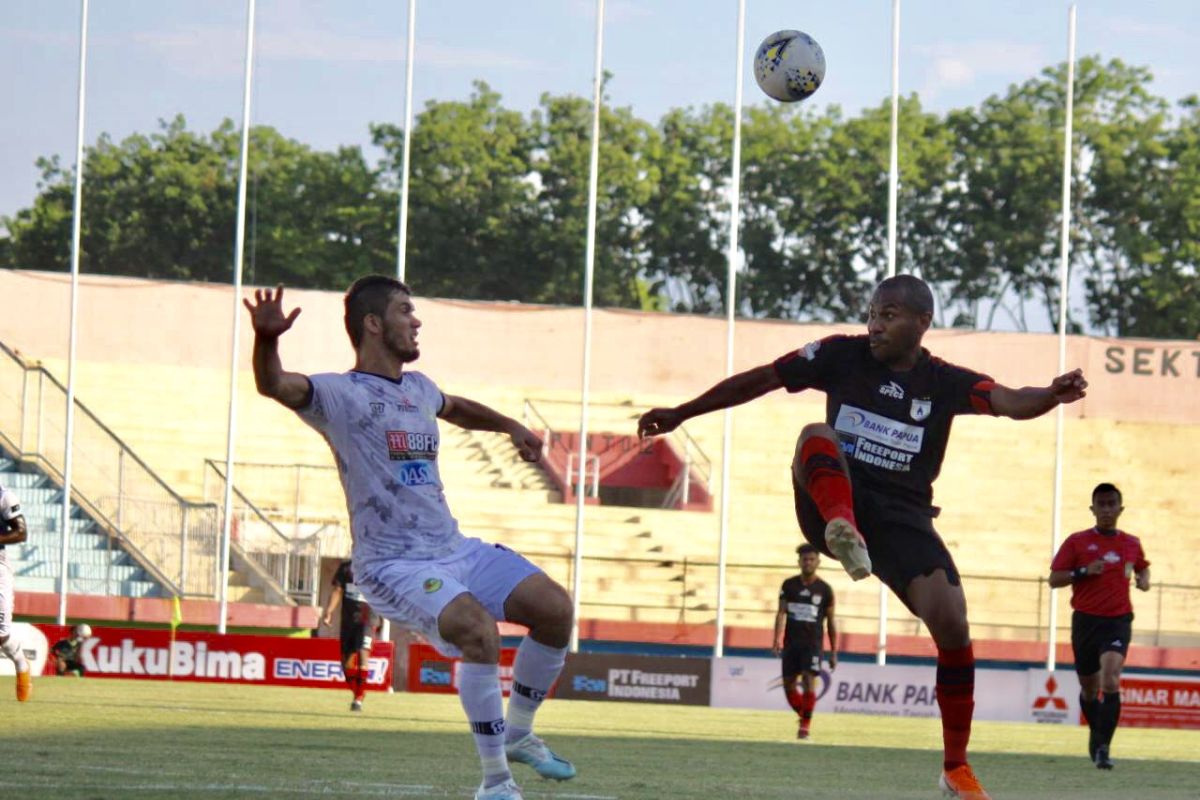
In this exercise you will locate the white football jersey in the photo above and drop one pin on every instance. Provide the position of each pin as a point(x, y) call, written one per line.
point(10, 509)
point(385, 440)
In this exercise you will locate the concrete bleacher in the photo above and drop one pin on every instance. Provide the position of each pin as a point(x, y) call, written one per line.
point(95, 565)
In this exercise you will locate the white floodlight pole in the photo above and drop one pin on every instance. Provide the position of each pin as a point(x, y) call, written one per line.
point(76, 228)
point(589, 273)
point(402, 236)
point(1063, 271)
point(239, 248)
point(735, 189)
point(893, 184)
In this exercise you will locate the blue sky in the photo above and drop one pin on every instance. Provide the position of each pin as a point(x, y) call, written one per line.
point(327, 68)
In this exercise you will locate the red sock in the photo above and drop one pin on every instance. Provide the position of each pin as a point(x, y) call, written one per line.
point(825, 480)
point(795, 699)
point(956, 699)
point(810, 702)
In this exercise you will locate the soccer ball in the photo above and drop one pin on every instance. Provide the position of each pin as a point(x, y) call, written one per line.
point(789, 66)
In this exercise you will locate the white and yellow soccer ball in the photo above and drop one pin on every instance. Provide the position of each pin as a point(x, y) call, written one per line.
point(789, 66)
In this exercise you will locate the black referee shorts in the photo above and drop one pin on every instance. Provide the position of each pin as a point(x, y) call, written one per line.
point(1092, 636)
point(901, 540)
point(801, 657)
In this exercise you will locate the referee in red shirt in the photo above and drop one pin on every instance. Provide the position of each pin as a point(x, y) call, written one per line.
point(1097, 564)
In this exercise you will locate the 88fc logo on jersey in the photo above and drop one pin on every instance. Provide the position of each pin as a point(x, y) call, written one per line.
point(417, 452)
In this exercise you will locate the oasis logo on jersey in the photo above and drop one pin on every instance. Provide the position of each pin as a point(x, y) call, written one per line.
point(877, 440)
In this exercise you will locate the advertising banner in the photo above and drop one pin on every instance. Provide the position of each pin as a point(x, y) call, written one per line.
point(638, 679)
point(1153, 701)
point(33, 642)
point(215, 658)
point(856, 688)
point(1052, 697)
point(430, 671)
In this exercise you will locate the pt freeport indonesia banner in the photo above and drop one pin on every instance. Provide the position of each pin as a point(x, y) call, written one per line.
point(149, 654)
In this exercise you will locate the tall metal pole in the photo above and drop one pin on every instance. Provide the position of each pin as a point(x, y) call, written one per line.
point(76, 228)
point(589, 274)
point(893, 185)
point(1063, 276)
point(735, 191)
point(239, 248)
point(402, 237)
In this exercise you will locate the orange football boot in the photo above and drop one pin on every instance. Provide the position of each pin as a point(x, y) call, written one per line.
point(24, 686)
point(961, 782)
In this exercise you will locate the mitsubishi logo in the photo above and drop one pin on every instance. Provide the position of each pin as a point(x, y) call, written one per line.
point(1049, 698)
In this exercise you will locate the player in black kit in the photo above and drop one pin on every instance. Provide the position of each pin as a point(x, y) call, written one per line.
point(358, 626)
point(889, 405)
point(805, 602)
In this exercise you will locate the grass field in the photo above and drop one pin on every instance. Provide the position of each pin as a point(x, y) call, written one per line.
point(115, 739)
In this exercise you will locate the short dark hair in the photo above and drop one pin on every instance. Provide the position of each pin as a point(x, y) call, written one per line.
point(1105, 488)
point(369, 294)
point(807, 548)
point(914, 292)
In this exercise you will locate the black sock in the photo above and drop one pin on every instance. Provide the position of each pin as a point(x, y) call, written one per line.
point(1088, 707)
point(1110, 714)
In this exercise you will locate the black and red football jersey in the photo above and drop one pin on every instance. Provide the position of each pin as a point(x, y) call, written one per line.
point(807, 605)
point(892, 426)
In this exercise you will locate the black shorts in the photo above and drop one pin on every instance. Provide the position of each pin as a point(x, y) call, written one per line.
point(358, 630)
point(901, 539)
point(801, 657)
point(1091, 636)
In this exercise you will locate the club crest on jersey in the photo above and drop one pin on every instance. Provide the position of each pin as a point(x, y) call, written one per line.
point(431, 585)
point(920, 409)
point(893, 390)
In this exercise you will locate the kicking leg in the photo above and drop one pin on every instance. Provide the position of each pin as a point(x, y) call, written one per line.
point(819, 469)
point(24, 680)
point(544, 607)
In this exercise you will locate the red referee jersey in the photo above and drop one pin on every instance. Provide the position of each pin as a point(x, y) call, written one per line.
point(1106, 594)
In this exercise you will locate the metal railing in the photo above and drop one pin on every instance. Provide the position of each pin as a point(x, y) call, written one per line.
point(173, 539)
point(285, 567)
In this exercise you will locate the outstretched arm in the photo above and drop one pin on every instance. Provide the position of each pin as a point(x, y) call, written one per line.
point(733, 391)
point(266, 315)
point(16, 532)
point(335, 600)
point(1033, 401)
point(477, 417)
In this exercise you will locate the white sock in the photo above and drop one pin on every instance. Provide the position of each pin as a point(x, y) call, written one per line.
point(479, 692)
point(534, 671)
point(14, 651)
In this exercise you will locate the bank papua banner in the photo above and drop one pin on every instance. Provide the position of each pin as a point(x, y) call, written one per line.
point(857, 688)
point(430, 671)
point(215, 658)
point(640, 679)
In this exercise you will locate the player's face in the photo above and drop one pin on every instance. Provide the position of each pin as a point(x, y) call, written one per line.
point(894, 329)
point(400, 326)
point(1107, 508)
point(809, 563)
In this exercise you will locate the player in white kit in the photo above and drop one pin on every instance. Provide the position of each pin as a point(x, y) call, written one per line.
point(12, 531)
point(409, 558)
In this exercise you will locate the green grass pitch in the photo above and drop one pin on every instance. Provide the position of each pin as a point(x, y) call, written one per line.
point(115, 739)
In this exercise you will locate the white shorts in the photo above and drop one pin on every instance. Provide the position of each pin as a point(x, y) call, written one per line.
point(6, 600)
point(414, 593)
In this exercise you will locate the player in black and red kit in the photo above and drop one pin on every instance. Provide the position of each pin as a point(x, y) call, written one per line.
point(805, 610)
point(1096, 564)
point(888, 412)
point(357, 628)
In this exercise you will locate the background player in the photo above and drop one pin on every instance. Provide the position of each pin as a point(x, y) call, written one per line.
point(410, 560)
point(1097, 563)
point(804, 601)
point(358, 625)
point(67, 652)
point(889, 406)
point(12, 531)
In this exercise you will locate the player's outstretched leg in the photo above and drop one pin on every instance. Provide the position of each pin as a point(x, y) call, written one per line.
point(542, 605)
point(24, 682)
point(820, 469)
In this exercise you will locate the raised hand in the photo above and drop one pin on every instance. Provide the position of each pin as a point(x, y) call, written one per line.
point(1069, 387)
point(528, 444)
point(658, 421)
point(266, 313)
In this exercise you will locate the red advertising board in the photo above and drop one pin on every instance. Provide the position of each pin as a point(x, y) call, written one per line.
point(150, 654)
point(430, 671)
point(1160, 702)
